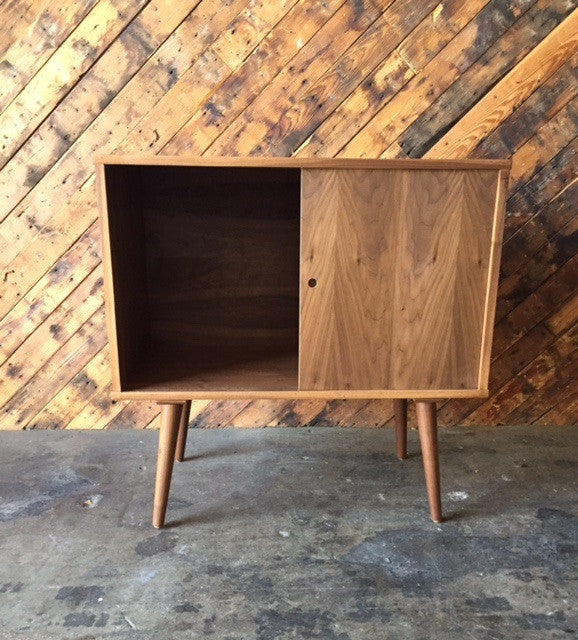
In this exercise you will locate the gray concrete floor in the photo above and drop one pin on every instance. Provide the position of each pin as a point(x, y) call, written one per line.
point(288, 533)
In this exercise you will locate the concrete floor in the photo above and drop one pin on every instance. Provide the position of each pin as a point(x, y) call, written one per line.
point(294, 533)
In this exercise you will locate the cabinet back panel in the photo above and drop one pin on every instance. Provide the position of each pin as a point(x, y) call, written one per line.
point(222, 257)
point(401, 261)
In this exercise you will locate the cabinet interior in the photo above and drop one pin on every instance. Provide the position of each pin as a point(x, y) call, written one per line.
point(205, 270)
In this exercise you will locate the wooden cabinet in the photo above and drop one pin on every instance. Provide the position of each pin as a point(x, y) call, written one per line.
point(300, 278)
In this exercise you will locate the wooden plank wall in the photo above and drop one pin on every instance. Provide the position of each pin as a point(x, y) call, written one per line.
point(387, 78)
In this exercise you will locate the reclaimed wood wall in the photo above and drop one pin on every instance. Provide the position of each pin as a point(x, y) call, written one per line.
point(387, 78)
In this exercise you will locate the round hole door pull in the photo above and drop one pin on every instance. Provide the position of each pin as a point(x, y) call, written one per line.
point(312, 282)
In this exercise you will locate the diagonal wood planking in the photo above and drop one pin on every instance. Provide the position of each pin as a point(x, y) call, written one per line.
point(390, 78)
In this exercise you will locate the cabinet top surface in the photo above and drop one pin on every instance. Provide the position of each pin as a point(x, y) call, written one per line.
point(304, 163)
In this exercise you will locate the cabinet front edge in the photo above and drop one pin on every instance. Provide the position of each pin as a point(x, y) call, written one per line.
point(311, 163)
point(181, 396)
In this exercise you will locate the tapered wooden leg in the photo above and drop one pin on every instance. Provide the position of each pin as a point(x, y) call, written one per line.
point(183, 431)
point(400, 411)
point(171, 417)
point(427, 426)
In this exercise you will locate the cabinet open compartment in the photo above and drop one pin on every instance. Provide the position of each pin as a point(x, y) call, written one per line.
point(204, 275)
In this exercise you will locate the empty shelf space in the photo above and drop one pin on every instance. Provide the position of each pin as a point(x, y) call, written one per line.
point(205, 260)
point(193, 372)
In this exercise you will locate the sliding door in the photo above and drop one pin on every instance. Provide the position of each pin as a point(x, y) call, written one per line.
point(394, 277)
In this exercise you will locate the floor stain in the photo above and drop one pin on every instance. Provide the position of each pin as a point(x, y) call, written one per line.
point(544, 621)
point(160, 543)
point(187, 607)
point(84, 619)
point(493, 603)
point(273, 624)
point(82, 594)
point(562, 522)
point(417, 561)
point(32, 499)
point(11, 587)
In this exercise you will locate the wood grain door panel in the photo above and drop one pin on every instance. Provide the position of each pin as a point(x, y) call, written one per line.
point(401, 260)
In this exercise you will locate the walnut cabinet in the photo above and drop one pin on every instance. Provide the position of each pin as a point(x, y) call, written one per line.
point(300, 278)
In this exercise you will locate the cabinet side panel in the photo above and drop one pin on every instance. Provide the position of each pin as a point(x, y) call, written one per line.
point(125, 269)
point(348, 252)
point(472, 273)
point(107, 272)
point(493, 277)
